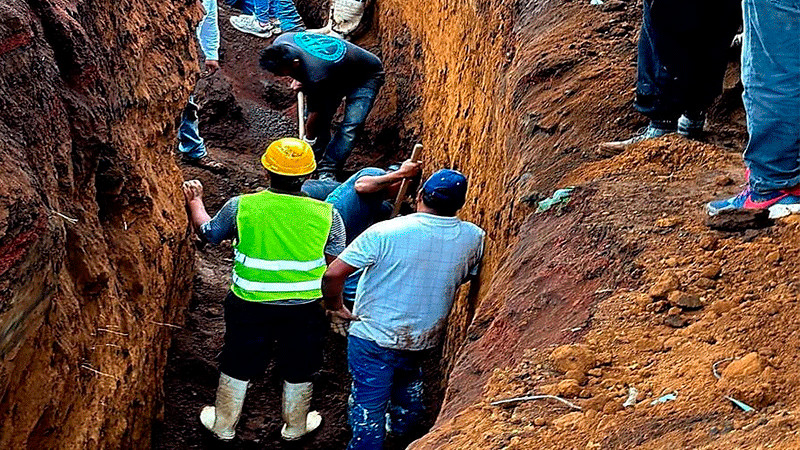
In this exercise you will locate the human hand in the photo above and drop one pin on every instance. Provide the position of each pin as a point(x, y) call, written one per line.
point(410, 169)
point(342, 314)
point(211, 66)
point(296, 85)
point(192, 190)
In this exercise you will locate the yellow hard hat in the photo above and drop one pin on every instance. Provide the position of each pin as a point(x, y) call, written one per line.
point(289, 156)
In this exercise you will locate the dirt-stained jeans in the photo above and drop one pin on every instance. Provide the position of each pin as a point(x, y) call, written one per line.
point(384, 380)
point(283, 10)
point(771, 79)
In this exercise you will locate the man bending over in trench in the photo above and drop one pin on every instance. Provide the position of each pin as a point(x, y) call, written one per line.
point(413, 266)
point(328, 69)
point(277, 273)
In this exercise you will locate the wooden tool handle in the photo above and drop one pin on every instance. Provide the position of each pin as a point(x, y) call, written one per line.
point(404, 184)
point(301, 111)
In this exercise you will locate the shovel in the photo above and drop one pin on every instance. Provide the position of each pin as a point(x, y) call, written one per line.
point(404, 184)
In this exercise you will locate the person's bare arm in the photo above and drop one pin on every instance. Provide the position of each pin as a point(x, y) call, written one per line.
point(332, 287)
point(193, 191)
point(371, 184)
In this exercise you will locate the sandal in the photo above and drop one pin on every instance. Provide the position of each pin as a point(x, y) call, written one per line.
point(206, 162)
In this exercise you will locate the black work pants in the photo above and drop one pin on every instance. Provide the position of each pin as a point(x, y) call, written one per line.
point(251, 329)
point(683, 55)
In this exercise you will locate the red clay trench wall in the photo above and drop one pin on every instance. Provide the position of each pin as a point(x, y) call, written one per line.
point(510, 92)
point(95, 266)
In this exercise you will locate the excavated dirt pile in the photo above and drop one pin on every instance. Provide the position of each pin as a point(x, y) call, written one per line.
point(94, 262)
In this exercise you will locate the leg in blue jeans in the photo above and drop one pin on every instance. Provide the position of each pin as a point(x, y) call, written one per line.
point(286, 12)
point(771, 79)
point(407, 406)
point(189, 141)
point(358, 105)
point(263, 10)
point(375, 369)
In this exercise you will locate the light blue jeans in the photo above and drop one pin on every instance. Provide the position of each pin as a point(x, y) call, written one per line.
point(384, 380)
point(283, 10)
point(189, 141)
point(771, 79)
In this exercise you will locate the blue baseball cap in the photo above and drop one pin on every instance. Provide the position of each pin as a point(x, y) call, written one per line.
point(445, 188)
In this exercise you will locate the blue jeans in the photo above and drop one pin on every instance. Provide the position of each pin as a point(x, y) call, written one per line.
point(357, 106)
point(283, 10)
point(771, 79)
point(319, 189)
point(384, 380)
point(189, 141)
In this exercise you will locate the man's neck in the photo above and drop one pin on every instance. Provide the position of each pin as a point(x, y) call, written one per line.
point(281, 191)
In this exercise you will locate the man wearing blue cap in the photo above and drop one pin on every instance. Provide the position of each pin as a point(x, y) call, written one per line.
point(412, 268)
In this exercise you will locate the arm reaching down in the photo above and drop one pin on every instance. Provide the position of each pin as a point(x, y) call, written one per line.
point(332, 286)
point(193, 191)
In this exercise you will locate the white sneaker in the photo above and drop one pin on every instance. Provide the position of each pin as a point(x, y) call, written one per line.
point(251, 25)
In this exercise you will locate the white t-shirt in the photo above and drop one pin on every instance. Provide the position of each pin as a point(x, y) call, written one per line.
point(413, 267)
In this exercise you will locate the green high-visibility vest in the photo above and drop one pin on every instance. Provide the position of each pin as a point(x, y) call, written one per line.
point(280, 251)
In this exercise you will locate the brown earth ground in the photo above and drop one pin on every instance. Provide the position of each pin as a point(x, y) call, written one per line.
point(583, 274)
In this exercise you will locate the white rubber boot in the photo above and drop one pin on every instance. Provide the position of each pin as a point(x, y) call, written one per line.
point(296, 403)
point(221, 418)
point(346, 15)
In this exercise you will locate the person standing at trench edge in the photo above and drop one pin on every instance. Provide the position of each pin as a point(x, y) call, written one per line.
point(277, 273)
point(413, 266)
point(682, 58)
point(771, 79)
point(327, 70)
point(191, 146)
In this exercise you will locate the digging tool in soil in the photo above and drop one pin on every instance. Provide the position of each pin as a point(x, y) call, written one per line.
point(404, 184)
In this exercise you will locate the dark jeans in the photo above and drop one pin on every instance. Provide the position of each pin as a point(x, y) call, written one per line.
point(332, 153)
point(683, 54)
point(384, 380)
point(252, 327)
point(771, 79)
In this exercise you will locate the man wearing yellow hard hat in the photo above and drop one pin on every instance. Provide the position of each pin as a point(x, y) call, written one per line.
point(283, 241)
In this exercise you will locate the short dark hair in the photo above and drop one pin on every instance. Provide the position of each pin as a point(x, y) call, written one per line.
point(274, 57)
point(285, 182)
point(442, 207)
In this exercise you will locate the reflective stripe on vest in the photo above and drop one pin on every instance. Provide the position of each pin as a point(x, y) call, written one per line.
point(276, 287)
point(263, 264)
point(280, 251)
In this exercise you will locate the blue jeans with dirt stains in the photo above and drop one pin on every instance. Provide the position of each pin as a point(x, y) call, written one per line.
point(384, 380)
point(357, 105)
point(771, 79)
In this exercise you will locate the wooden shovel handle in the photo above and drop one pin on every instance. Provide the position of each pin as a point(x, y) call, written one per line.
point(301, 110)
point(404, 184)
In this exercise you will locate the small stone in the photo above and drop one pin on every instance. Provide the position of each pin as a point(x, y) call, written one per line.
point(577, 375)
point(668, 222)
point(711, 271)
point(539, 422)
point(684, 300)
point(722, 306)
point(675, 321)
point(723, 180)
point(674, 311)
point(569, 388)
point(708, 242)
point(773, 257)
point(663, 286)
point(749, 365)
point(573, 357)
point(705, 283)
point(671, 262)
point(597, 372)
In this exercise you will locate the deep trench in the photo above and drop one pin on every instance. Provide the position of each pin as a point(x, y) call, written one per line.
point(236, 121)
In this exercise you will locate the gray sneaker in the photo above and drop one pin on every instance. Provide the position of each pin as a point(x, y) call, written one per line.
point(651, 131)
point(251, 25)
point(691, 128)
